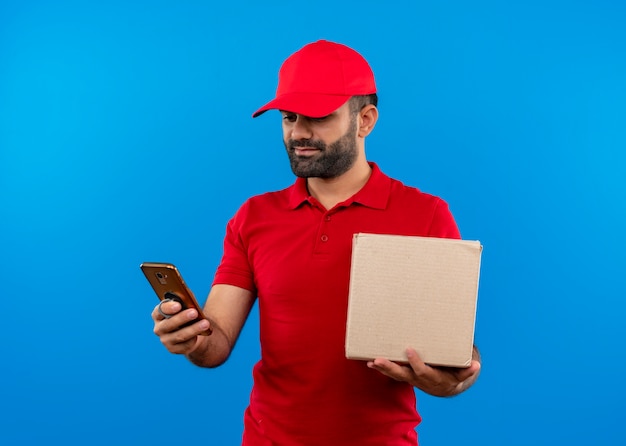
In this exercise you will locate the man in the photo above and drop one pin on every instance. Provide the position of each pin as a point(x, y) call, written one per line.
point(292, 248)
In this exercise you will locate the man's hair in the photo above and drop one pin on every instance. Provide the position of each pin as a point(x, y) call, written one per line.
point(358, 102)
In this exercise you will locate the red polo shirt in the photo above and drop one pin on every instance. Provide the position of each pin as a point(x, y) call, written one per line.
point(295, 256)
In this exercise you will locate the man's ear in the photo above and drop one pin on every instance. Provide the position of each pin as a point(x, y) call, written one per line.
point(367, 120)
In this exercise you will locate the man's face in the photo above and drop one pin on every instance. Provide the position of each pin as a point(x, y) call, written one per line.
point(321, 147)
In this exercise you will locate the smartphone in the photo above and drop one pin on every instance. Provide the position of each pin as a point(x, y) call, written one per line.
point(168, 283)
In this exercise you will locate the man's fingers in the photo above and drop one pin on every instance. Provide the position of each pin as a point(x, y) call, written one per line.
point(416, 367)
point(390, 369)
point(168, 308)
point(172, 324)
point(180, 340)
point(416, 363)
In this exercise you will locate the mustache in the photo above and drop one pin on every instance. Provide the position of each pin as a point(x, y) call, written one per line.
point(317, 144)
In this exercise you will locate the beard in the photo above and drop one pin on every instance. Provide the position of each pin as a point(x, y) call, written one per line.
point(332, 161)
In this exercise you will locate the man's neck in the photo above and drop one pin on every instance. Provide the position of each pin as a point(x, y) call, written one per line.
point(331, 191)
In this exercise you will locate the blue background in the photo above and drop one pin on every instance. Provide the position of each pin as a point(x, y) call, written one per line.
point(126, 136)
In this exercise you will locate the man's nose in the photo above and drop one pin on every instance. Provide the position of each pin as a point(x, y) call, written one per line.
point(301, 128)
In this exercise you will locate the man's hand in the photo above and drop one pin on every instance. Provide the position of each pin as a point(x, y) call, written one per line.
point(437, 381)
point(178, 340)
point(226, 310)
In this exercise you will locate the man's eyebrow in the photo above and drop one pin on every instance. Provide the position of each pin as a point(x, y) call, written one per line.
point(285, 112)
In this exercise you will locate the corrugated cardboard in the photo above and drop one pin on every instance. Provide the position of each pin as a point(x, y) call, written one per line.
point(418, 292)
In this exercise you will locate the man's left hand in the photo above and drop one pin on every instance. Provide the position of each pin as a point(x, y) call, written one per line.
point(437, 381)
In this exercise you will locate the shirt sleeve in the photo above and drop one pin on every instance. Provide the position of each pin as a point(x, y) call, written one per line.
point(443, 224)
point(234, 268)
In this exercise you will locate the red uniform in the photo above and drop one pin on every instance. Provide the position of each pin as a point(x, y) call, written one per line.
point(295, 256)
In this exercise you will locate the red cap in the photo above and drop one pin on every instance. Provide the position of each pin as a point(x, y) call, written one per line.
point(319, 78)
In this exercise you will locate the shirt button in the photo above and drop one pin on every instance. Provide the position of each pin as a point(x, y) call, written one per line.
point(324, 238)
point(327, 218)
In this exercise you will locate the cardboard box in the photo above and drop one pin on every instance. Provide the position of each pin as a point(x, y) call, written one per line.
point(418, 292)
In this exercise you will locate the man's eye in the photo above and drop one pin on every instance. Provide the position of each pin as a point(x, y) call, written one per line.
point(289, 118)
point(320, 119)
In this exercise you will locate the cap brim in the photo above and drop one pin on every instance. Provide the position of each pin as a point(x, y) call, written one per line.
point(314, 105)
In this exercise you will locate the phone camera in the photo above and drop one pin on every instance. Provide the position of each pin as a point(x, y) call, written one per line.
point(162, 278)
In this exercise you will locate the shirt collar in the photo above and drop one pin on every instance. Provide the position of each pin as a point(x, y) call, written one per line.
point(374, 194)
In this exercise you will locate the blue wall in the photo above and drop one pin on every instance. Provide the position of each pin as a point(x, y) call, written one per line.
point(125, 136)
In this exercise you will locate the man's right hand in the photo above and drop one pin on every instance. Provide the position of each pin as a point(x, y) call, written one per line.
point(178, 340)
point(228, 307)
